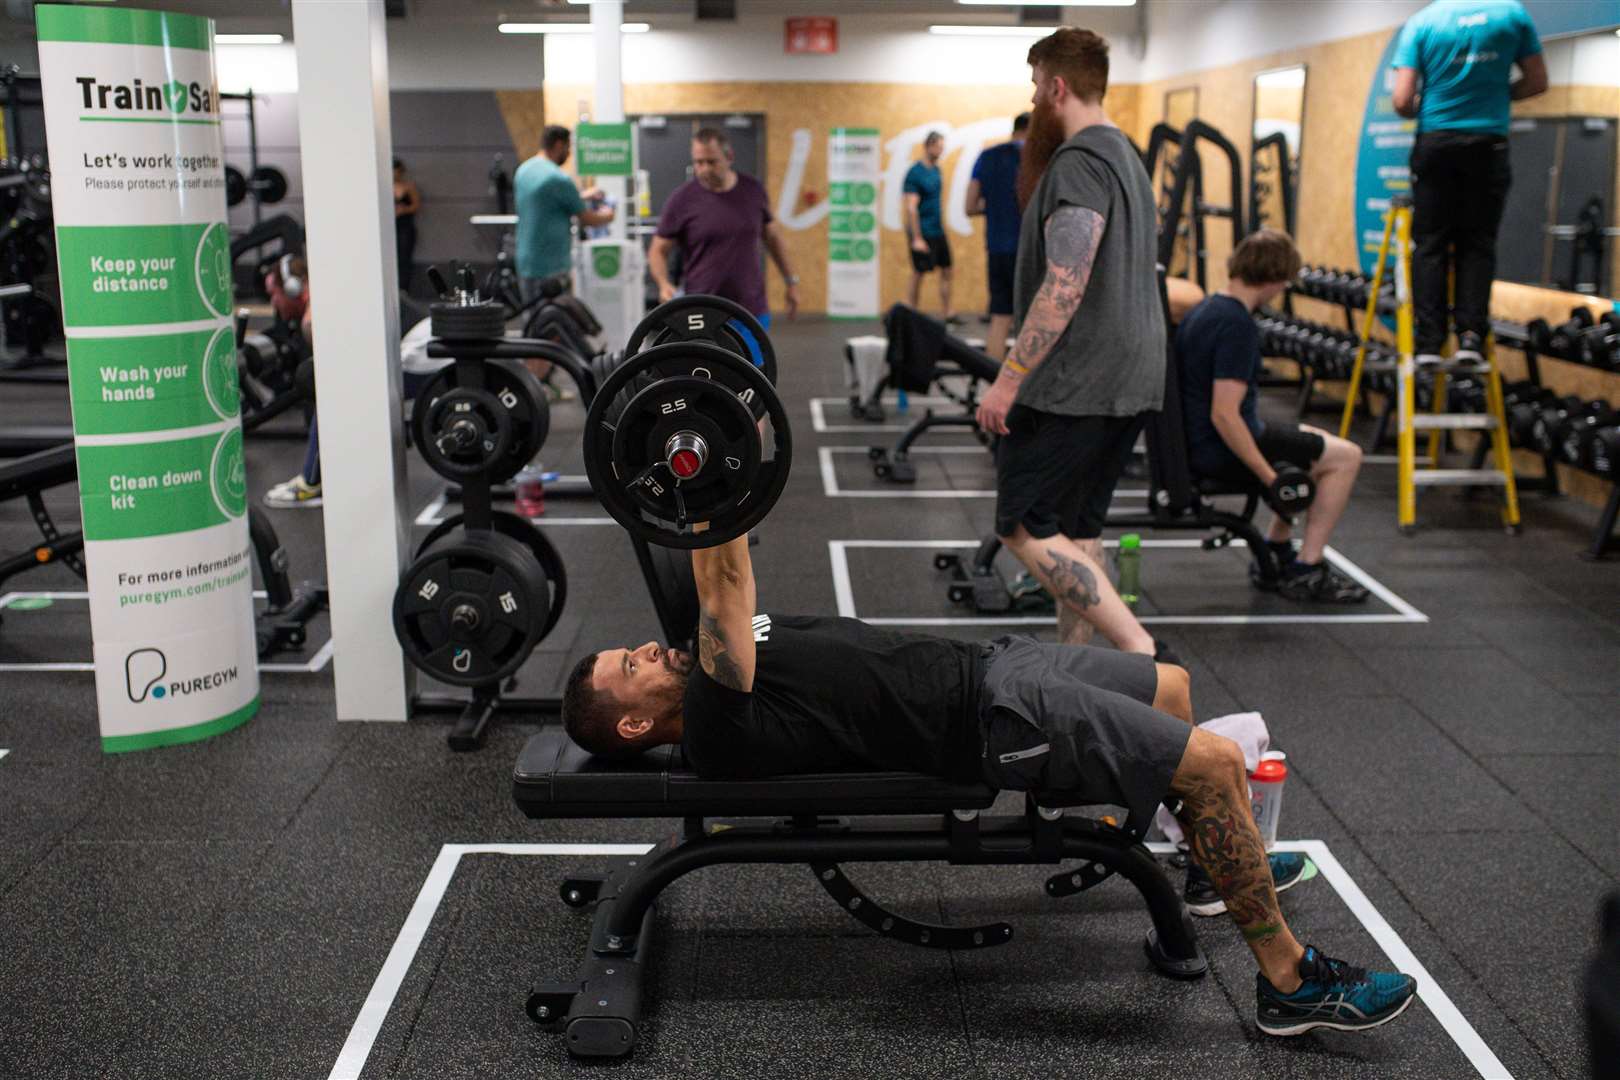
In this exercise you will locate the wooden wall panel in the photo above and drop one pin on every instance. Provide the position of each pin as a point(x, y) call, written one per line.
point(818, 107)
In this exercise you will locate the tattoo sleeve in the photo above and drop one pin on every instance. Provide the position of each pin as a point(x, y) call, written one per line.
point(1073, 235)
point(1071, 580)
point(1234, 858)
point(713, 654)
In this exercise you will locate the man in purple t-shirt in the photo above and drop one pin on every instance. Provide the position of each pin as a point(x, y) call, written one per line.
point(719, 218)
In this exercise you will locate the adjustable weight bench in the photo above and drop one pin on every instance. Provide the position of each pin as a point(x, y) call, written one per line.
point(820, 820)
point(922, 353)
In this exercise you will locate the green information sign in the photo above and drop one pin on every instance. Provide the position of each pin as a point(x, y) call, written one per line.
point(604, 149)
point(143, 253)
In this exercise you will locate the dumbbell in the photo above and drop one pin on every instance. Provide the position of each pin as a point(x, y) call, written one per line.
point(1603, 452)
point(1573, 439)
point(1522, 414)
point(1599, 345)
point(1537, 336)
point(1465, 395)
point(1564, 341)
point(1291, 492)
point(1544, 432)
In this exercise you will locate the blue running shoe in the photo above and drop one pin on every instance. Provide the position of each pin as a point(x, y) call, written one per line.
point(1333, 995)
point(1287, 870)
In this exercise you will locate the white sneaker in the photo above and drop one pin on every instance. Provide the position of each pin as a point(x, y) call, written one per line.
point(293, 493)
point(1469, 350)
point(1427, 359)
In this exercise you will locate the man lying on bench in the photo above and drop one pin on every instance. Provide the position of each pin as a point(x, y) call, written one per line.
point(771, 695)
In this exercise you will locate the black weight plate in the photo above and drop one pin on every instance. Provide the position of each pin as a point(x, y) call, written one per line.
point(463, 322)
point(520, 408)
point(690, 406)
point(270, 183)
point(235, 185)
point(526, 533)
point(700, 317)
point(445, 411)
point(490, 574)
point(524, 398)
point(686, 360)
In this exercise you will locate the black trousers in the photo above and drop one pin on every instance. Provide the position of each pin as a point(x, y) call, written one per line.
point(1460, 182)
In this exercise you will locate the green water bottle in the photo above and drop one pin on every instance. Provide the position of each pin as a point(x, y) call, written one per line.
point(1129, 559)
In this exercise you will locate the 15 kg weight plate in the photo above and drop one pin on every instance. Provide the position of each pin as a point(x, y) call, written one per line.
point(471, 608)
point(525, 532)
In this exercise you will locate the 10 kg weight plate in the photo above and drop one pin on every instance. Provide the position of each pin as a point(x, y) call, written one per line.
point(488, 419)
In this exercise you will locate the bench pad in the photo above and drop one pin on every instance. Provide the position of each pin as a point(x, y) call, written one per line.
point(554, 778)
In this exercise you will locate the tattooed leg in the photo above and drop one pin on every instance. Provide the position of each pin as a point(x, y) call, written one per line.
point(1086, 598)
point(1222, 839)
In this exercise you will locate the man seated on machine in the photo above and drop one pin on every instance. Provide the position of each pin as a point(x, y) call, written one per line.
point(1218, 348)
point(771, 695)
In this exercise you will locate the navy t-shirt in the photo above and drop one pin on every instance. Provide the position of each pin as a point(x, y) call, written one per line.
point(924, 181)
point(997, 174)
point(1216, 340)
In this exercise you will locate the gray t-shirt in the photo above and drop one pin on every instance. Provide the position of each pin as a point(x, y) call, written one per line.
point(1110, 361)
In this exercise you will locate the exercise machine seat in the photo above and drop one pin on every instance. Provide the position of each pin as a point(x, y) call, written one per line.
point(554, 778)
point(917, 345)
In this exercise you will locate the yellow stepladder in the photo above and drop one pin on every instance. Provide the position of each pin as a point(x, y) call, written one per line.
point(1492, 423)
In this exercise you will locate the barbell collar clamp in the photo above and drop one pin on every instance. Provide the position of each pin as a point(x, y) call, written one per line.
point(686, 453)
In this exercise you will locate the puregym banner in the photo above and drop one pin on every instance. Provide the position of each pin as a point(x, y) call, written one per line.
point(853, 168)
point(132, 122)
point(1381, 159)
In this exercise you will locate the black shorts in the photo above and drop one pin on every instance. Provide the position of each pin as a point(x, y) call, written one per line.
point(1001, 271)
point(1079, 720)
point(1056, 474)
point(1278, 443)
point(938, 257)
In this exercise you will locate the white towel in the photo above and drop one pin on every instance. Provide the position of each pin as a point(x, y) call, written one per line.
point(1248, 730)
point(871, 364)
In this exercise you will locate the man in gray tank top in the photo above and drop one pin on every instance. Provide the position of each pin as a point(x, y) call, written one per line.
point(1090, 352)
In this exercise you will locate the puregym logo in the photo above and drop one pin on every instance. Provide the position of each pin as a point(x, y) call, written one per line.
point(174, 97)
point(144, 670)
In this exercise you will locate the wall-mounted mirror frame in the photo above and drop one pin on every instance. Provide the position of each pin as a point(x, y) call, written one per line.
point(1276, 132)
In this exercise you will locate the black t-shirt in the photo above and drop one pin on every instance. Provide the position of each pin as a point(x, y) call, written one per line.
point(836, 695)
point(1218, 339)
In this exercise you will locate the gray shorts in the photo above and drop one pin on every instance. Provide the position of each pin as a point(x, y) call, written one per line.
point(1078, 720)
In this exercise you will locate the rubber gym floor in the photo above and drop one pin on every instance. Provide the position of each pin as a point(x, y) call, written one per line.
point(224, 909)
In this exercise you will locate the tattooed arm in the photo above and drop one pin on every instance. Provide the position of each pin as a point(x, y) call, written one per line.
point(725, 587)
point(1073, 235)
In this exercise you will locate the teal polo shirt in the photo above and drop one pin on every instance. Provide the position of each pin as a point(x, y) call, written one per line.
point(1464, 52)
point(546, 201)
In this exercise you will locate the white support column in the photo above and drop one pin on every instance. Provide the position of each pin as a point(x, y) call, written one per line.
point(607, 37)
point(347, 153)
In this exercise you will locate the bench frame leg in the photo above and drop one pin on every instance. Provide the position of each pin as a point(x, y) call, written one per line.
point(600, 1009)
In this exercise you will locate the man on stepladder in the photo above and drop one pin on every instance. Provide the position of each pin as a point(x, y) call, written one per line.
point(1089, 357)
point(1453, 72)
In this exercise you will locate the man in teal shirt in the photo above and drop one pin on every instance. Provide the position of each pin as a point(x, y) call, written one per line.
point(1454, 73)
point(547, 201)
point(925, 224)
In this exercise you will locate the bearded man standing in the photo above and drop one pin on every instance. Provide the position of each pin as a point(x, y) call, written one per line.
point(1089, 357)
